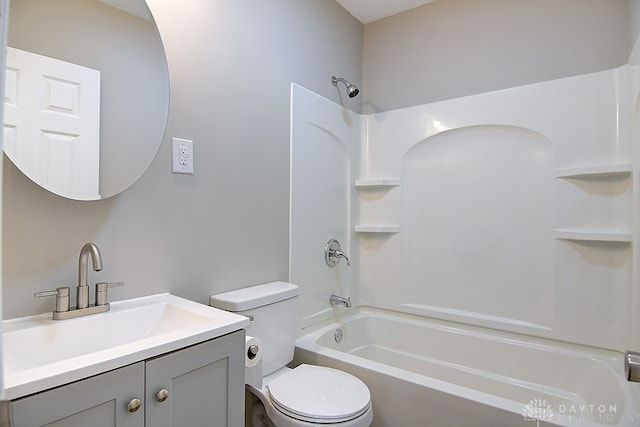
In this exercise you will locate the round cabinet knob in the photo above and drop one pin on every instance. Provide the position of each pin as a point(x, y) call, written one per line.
point(134, 405)
point(162, 395)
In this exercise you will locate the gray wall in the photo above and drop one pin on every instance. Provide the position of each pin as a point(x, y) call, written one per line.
point(453, 48)
point(230, 64)
point(634, 22)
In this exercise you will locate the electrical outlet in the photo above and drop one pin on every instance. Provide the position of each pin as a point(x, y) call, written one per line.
point(182, 155)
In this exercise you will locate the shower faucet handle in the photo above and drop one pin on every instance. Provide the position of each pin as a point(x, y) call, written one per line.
point(333, 253)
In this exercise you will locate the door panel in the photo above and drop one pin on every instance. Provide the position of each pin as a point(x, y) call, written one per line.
point(203, 385)
point(99, 401)
point(52, 122)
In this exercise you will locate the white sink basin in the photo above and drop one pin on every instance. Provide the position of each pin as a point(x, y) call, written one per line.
point(40, 353)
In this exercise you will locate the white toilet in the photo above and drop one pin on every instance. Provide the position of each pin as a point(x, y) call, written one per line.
point(304, 396)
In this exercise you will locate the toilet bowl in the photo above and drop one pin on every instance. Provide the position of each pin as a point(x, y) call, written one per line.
point(307, 395)
point(311, 395)
point(259, 417)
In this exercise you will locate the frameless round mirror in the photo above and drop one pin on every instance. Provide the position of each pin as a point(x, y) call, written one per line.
point(87, 94)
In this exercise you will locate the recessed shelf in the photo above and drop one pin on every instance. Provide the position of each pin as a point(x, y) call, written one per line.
point(379, 182)
point(593, 235)
point(377, 228)
point(592, 171)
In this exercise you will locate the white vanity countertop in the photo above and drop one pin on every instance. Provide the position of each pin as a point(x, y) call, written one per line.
point(40, 353)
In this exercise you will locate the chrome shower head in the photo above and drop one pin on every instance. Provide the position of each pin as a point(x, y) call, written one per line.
point(352, 90)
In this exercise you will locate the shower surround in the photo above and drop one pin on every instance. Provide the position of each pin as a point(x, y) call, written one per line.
point(514, 210)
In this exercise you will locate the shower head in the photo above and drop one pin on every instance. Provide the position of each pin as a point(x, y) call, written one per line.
point(352, 90)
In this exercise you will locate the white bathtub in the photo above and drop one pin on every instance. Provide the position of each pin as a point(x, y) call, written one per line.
point(424, 372)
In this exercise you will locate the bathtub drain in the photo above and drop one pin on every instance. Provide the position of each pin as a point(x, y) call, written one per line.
point(337, 335)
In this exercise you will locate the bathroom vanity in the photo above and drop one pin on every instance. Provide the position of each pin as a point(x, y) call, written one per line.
point(184, 367)
point(200, 380)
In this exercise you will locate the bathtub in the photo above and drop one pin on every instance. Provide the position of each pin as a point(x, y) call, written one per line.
point(425, 372)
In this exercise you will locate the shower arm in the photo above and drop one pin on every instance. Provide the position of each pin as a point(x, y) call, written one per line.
point(352, 90)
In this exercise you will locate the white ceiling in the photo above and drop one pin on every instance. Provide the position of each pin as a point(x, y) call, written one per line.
point(135, 8)
point(367, 11)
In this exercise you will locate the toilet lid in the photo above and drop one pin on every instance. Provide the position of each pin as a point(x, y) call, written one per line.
point(319, 394)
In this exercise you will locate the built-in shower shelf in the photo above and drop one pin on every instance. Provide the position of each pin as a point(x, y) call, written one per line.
point(377, 228)
point(374, 183)
point(593, 235)
point(593, 171)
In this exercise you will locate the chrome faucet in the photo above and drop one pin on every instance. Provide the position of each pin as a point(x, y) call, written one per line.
point(82, 294)
point(333, 253)
point(338, 300)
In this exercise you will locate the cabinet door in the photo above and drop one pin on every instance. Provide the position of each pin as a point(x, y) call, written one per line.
point(100, 401)
point(205, 385)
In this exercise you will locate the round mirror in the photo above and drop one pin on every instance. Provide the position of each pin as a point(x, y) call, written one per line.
point(87, 94)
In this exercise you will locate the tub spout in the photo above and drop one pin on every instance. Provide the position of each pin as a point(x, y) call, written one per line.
point(338, 300)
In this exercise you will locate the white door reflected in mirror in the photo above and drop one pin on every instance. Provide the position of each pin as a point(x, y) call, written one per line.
point(52, 123)
point(119, 38)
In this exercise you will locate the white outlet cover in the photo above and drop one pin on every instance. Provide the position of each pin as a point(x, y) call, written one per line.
point(181, 156)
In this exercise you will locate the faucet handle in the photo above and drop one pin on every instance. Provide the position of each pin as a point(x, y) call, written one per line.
point(333, 253)
point(101, 291)
point(62, 297)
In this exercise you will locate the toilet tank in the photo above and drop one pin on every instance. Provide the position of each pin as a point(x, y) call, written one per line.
point(273, 310)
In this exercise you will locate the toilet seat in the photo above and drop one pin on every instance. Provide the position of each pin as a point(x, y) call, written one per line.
point(319, 395)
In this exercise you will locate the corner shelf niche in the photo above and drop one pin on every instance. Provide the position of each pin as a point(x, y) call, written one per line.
point(622, 170)
point(594, 171)
point(593, 235)
point(377, 183)
point(377, 228)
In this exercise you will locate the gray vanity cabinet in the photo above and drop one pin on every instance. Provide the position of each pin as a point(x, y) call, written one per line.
point(99, 401)
point(202, 385)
